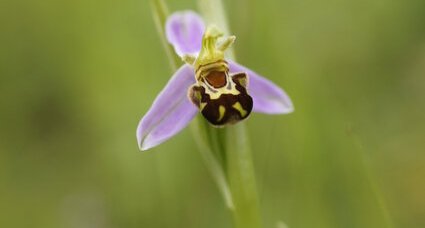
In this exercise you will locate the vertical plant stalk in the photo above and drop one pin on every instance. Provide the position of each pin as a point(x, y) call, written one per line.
point(238, 162)
point(208, 143)
point(241, 175)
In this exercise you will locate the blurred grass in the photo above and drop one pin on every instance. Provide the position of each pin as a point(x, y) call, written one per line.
point(76, 76)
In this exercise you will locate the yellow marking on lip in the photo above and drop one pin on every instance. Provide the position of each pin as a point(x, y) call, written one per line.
point(202, 106)
point(221, 111)
point(238, 107)
point(223, 90)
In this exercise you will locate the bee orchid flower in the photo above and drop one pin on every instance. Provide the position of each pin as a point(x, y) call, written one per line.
point(223, 91)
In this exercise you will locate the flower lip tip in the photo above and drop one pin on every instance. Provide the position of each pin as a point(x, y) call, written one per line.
point(140, 145)
point(143, 146)
point(280, 112)
point(287, 109)
point(143, 149)
point(146, 142)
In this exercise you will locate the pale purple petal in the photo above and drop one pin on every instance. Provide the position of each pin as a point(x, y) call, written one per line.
point(267, 97)
point(170, 112)
point(184, 31)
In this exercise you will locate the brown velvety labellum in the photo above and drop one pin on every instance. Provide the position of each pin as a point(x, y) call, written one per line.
point(228, 108)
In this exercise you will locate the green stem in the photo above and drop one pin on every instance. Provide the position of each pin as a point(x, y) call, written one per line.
point(238, 163)
point(241, 175)
point(208, 140)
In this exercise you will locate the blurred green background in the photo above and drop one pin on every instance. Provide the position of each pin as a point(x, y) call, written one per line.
point(76, 77)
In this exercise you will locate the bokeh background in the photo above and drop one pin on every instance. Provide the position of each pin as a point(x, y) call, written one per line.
point(76, 76)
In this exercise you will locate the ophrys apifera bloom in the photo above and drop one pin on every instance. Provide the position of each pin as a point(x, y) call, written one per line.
point(223, 91)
